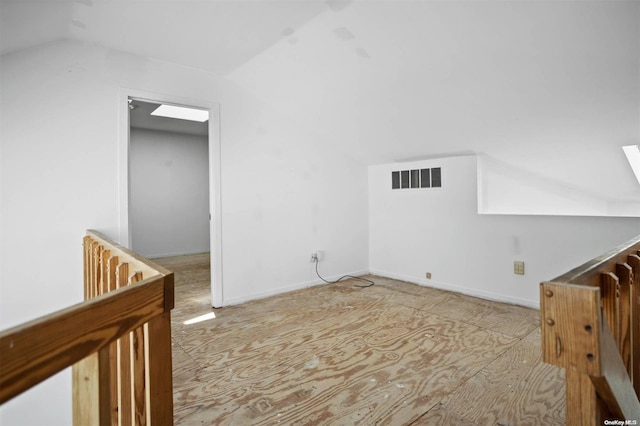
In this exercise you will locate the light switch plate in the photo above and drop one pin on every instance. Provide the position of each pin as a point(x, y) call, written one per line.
point(518, 267)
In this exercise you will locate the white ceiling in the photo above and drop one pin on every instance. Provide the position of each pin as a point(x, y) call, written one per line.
point(213, 35)
point(548, 87)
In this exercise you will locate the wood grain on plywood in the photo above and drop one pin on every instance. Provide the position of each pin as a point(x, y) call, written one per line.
point(395, 353)
point(517, 385)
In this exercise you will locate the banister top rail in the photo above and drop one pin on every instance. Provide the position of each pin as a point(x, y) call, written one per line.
point(34, 351)
point(139, 263)
point(589, 272)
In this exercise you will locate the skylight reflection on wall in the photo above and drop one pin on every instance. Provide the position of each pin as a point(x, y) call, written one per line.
point(633, 155)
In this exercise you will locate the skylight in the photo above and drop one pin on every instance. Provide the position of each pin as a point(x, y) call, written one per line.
point(182, 113)
point(633, 155)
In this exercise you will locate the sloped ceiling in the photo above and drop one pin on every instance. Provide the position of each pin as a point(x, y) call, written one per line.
point(214, 35)
point(550, 88)
point(25, 24)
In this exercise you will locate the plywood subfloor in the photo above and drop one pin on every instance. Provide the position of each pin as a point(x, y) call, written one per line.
point(392, 354)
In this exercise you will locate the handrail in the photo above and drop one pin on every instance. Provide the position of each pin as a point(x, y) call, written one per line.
point(88, 336)
point(37, 350)
point(590, 325)
point(589, 272)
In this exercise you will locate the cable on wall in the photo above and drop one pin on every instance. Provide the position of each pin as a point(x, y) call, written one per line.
point(370, 283)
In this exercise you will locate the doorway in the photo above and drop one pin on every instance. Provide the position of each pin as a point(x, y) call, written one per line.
point(170, 203)
point(168, 183)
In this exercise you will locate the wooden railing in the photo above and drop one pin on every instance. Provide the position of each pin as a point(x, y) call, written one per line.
point(590, 321)
point(118, 342)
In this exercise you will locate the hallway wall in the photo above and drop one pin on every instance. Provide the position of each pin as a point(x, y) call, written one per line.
point(169, 193)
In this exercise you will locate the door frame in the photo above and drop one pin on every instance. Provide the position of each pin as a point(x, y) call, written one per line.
point(215, 209)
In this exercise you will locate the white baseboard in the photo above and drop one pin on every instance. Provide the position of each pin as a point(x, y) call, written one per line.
point(285, 289)
point(496, 297)
point(535, 304)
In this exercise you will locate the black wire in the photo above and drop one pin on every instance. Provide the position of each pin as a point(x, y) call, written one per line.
point(343, 277)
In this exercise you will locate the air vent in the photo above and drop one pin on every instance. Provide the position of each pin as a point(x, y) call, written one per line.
point(404, 181)
point(425, 178)
point(395, 180)
point(436, 179)
point(417, 178)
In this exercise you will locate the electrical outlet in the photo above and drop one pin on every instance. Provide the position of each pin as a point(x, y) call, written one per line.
point(314, 257)
point(518, 267)
point(428, 274)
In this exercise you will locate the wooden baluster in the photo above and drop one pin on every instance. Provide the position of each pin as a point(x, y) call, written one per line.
point(161, 381)
point(112, 263)
point(86, 391)
point(104, 385)
point(95, 269)
point(92, 262)
point(104, 267)
point(124, 344)
point(625, 276)
point(610, 296)
point(138, 373)
point(634, 261)
point(90, 268)
point(105, 355)
point(582, 405)
point(86, 255)
point(85, 374)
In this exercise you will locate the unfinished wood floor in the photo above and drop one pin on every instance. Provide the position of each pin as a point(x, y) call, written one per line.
point(392, 354)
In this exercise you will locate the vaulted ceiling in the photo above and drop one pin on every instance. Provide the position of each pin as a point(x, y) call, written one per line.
point(217, 36)
point(550, 88)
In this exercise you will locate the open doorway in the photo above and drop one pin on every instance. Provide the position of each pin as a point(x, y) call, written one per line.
point(170, 182)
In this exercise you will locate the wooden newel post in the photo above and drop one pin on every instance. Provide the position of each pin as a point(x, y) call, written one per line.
point(571, 321)
point(576, 337)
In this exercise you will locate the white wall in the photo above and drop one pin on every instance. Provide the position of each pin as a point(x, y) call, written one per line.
point(506, 189)
point(438, 230)
point(283, 195)
point(546, 87)
point(169, 193)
